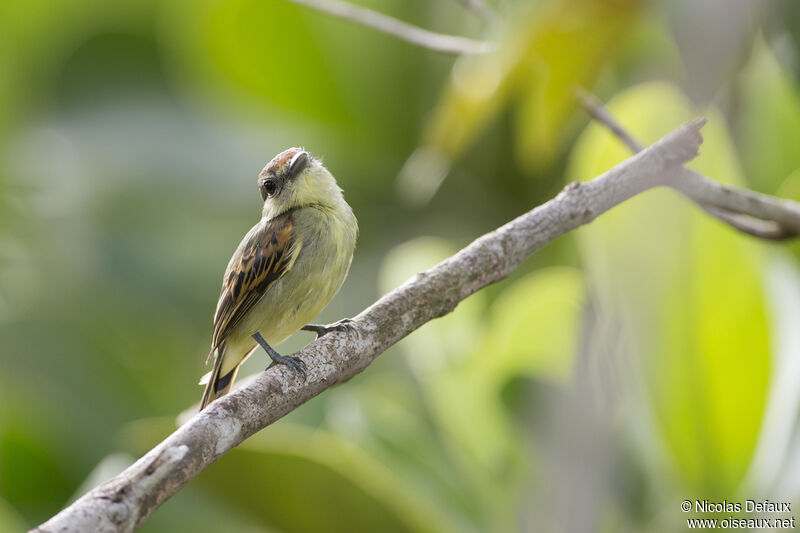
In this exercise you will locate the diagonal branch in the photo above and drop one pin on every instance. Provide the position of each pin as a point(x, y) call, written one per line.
point(759, 215)
point(123, 503)
point(439, 42)
point(479, 7)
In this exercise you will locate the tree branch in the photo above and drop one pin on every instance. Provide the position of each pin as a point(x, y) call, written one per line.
point(439, 42)
point(123, 503)
point(478, 7)
point(755, 214)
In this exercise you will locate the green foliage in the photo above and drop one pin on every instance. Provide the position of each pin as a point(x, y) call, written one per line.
point(243, 44)
point(464, 360)
point(9, 520)
point(545, 55)
point(298, 479)
point(769, 125)
point(688, 291)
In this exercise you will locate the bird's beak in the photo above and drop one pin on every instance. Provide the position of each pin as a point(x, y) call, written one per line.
point(298, 163)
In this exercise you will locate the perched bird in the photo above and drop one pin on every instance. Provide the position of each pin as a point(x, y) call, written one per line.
point(285, 270)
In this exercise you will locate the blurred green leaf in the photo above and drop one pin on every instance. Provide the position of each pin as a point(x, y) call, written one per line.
point(9, 519)
point(299, 479)
point(773, 470)
point(534, 326)
point(545, 53)
point(464, 360)
point(790, 189)
point(689, 291)
point(448, 339)
point(33, 479)
point(254, 46)
point(533, 329)
point(769, 122)
point(35, 36)
point(389, 418)
point(433, 348)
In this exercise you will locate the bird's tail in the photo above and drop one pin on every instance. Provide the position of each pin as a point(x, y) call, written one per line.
point(217, 385)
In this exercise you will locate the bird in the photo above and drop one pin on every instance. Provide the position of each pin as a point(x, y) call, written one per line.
point(287, 268)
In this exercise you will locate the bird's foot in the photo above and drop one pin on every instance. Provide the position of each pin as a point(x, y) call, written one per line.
point(293, 362)
point(345, 325)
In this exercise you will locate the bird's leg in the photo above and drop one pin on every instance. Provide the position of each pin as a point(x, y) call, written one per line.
point(345, 324)
point(295, 363)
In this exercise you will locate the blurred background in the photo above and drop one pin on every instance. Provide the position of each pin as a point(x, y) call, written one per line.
point(651, 357)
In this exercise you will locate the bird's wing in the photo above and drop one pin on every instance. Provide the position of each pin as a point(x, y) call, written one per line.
point(263, 257)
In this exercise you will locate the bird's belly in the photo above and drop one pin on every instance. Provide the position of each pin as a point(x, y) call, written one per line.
point(283, 311)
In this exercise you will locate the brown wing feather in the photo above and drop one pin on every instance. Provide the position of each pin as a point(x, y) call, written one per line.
point(257, 265)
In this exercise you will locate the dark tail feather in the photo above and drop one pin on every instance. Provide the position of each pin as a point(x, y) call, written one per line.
point(217, 385)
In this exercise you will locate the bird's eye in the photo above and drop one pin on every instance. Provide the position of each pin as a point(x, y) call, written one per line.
point(268, 189)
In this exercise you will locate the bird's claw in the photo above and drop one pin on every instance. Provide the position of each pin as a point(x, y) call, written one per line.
point(345, 325)
point(293, 362)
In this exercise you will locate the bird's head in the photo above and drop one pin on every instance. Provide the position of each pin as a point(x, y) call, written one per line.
point(293, 179)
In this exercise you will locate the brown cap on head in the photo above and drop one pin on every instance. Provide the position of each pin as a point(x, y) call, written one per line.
point(280, 163)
